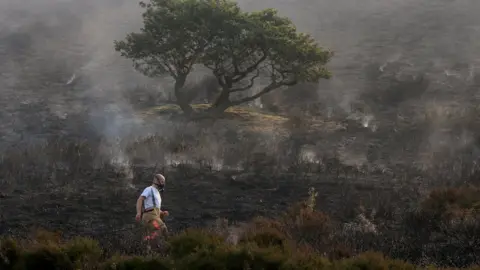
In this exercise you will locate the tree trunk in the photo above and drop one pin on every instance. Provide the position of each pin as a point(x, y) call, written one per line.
point(182, 101)
point(221, 103)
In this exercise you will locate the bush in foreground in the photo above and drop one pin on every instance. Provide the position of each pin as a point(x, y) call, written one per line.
point(448, 220)
point(195, 249)
point(301, 238)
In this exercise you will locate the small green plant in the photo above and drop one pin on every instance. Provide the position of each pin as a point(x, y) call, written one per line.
point(9, 253)
point(372, 260)
point(192, 240)
point(265, 237)
point(136, 262)
point(312, 198)
point(46, 257)
point(83, 252)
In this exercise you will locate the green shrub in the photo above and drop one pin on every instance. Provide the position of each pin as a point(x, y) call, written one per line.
point(193, 240)
point(136, 263)
point(251, 257)
point(44, 237)
point(305, 225)
point(246, 256)
point(204, 259)
point(306, 262)
point(445, 227)
point(448, 203)
point(372, 261)
point(84, 252)
point(266, 238)
point(46, 257)
point(9, 253)
point(338, 252)
point(265, 233)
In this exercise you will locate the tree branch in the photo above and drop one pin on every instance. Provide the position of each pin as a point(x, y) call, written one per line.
point(170, 69)
point(242, 75)
point(252, 81)
point(236, 69)
point(270, 87)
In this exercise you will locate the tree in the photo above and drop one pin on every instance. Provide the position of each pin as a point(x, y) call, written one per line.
point(238, 47)
point(262, 44)
point(174, 37)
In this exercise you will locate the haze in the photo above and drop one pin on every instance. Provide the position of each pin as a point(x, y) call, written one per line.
point(58, 60)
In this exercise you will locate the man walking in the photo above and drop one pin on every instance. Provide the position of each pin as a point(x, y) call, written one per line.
point(149, 209)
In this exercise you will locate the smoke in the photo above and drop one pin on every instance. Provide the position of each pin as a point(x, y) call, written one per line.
point(393, 60)
point(108, 76)
point(396, 62)
point(59, 55)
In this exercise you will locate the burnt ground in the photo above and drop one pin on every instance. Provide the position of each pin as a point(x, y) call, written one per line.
point(57, 188)
point(102, 206)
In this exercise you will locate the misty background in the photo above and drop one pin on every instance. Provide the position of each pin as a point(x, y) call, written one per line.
point(405, 72)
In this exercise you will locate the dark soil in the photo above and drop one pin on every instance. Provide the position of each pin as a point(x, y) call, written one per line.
point(105, 208)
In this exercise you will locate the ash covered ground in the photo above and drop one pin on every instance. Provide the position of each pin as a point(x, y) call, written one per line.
point(77, 150)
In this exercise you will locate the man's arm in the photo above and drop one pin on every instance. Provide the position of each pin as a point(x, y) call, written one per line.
point(140, 204)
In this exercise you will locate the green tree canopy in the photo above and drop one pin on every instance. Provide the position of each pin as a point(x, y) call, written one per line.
point(263, 45)
point(239, 47)
point(174, 37)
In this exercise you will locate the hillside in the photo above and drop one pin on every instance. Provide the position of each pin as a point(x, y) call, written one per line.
point(390, 143)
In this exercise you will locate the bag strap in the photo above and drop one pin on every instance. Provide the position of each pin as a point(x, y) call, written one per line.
point(153, 198)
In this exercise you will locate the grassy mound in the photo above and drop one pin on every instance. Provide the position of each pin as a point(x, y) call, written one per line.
point(247, 118)
point(235, 111)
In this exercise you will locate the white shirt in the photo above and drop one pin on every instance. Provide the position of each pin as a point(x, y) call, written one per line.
point(148, 202)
